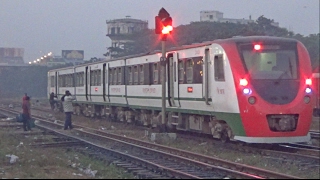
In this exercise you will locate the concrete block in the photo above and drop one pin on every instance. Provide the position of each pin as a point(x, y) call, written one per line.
point(163, 136)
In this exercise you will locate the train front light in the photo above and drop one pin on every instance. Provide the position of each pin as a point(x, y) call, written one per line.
point(308, 90)
point(306, 99)
point(252, 99)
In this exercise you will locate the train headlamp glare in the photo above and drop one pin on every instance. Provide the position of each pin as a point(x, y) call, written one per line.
point(306, 99)
point(252, 100)
point(246, 91)
point(308, 90)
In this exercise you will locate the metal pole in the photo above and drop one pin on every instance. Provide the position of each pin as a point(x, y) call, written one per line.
point(163, 83)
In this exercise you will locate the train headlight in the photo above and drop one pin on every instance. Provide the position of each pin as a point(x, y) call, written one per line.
point(252, 100)
point(308, 90)
point(306, 99)
point(246, 91)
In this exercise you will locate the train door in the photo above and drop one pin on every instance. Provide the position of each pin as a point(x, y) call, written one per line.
point(56, 83)
point(89, 83)
point(206, 77)
point(104, 73)
point(107, 82)
point(173, 93)
point(86, 74)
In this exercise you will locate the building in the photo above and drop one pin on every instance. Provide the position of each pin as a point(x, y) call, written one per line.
point(216, 16)
point(11, 55)
point(117, 30)
point(73, 56)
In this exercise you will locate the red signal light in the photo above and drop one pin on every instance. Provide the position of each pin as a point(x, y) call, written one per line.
point(163, 25)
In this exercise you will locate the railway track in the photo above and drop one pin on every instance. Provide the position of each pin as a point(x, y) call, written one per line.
point(315, 134)
point(170, 162)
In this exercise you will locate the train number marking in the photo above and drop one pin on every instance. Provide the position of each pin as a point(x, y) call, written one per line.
point(220, 91)
point(115, 89)
point(148, 90)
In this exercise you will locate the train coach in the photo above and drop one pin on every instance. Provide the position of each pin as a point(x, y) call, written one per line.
point(255, 89)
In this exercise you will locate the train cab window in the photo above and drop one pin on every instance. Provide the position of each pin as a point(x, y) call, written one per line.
point(119, 75)
point(218, 68)
point(130, 75)
point(141, 74)
point(155, 73)
point(181, 73)
point(135, 75)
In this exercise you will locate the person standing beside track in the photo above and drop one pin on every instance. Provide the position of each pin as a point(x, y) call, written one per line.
point(51, 100)
point(68, 109)
point(26, 113)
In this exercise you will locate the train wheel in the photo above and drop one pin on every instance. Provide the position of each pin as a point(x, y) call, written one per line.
point(224, 136)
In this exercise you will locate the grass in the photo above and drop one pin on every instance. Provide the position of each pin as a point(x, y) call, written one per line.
point(53, 163)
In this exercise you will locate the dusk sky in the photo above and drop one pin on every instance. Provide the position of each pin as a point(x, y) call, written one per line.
point(43, 26)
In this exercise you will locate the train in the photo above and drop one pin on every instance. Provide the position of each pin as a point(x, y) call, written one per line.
point(252, 89)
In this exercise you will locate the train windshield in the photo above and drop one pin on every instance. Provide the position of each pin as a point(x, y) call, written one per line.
point(264, 61)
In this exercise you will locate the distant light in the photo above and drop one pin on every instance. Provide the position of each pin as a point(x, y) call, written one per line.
point(30, 62)
point(38, 59)
point(34, 61)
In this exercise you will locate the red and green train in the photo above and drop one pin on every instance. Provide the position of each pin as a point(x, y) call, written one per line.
point(255, 89)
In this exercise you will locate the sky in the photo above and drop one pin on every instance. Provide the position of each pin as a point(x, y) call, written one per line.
point(43, 26)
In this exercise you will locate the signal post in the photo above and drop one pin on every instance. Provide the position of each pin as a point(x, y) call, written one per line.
point(163, 26)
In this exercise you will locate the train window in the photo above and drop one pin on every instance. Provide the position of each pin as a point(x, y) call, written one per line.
point(114, 73)
point(110, 76)
point(141, 74)
point(94, 78)
point(52, 81)
point(130, 75)
point(198, 70)
point(81, 79)
point(70, 80)
point(76, 77)
point(91, 78)
point(218, 68)
point(189, 71)
point(99, 77)
point(181, 71)
point(135, 75)
point(119, 75)
point(155, 73)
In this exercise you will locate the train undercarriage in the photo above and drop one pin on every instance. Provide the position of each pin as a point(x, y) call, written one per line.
point(175, 121)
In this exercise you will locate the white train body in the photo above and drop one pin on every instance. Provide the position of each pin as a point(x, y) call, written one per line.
point(203, 92)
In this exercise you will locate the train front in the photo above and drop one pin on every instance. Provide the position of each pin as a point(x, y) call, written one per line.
point(274, 90)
